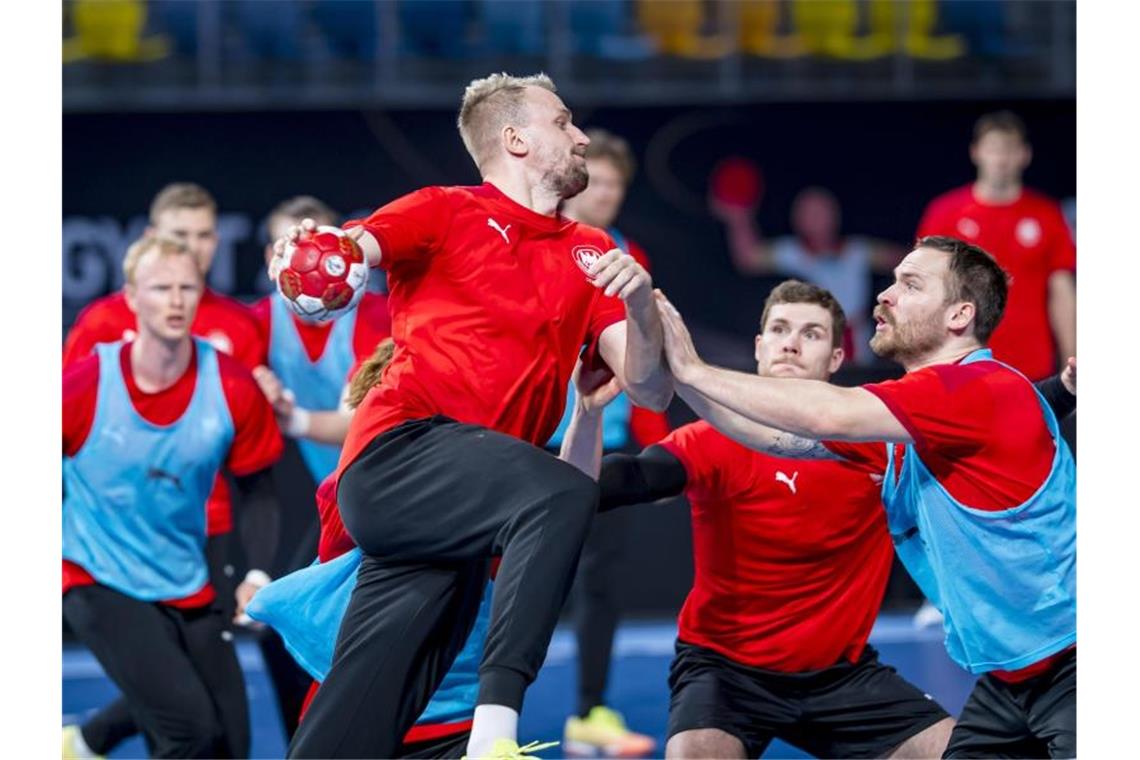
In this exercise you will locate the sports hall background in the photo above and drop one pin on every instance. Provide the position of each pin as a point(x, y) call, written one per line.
point(354, 102)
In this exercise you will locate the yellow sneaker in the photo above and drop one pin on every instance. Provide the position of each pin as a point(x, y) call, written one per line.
point(74, 747)
point(507, 749)
point(602, 733)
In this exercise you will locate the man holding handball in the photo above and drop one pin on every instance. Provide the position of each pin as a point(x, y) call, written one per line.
point(493, 294)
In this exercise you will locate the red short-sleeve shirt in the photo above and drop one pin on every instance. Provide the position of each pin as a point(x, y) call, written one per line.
point(791, 557)
point(490, 307)
point(978, 427)
point(1031, 240)
point(256, 445)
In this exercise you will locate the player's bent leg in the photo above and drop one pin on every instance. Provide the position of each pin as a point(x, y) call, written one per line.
point(210, 646)
point(139, 646)
point(930, 742)
point(1053, 709)
point(596, 606)
point(540, 546)
point(403, 628)
point(109, 727)
point(704, 743)
point(992, 724)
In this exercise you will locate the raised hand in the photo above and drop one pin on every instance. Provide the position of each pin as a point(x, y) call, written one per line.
point(620, 275)
point(277, 394)
point(679, 349)
point(595, 388)
point(281, 245)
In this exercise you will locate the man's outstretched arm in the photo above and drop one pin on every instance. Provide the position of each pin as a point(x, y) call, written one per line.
point(633, 348)
point(808, 409)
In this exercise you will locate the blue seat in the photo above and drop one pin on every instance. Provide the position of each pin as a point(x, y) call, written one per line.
point(434, 28)
point(270, 29)
point(981, 22)
point(513, 26)
point(350, 27)
point(178, 20)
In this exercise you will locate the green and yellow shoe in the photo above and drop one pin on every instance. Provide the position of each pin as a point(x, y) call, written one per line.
point(508, 749)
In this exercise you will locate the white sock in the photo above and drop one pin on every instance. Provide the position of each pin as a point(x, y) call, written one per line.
point(491, 722)
point(78, 746)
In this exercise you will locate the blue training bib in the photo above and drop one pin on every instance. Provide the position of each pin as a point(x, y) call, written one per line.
point(1005, 581)
point(134, 510)
point(317, 385)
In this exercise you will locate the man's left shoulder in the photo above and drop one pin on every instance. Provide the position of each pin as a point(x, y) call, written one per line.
point(1040, 202)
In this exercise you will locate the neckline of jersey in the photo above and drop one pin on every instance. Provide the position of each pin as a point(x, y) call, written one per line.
point(523, 214)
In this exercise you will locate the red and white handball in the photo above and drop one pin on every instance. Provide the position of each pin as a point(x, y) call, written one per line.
point(322, 275)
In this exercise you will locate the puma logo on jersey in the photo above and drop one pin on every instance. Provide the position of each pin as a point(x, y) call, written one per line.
point(501, 230)
point(789, 482)
point(155, 473)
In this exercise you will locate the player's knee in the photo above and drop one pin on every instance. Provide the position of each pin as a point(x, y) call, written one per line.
point(577, 498)
point(704, 743)
point(929, 742)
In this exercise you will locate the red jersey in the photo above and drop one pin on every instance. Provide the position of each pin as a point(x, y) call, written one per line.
point(490, 306)
point(1031, 241)
point(372, 326)
point(791, 557)
point(256, 445)
point(228, 326)
point(978, 428)
point(980, 431)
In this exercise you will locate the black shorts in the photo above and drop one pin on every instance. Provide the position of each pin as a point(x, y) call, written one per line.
point(1033, 718)
point(862, 709)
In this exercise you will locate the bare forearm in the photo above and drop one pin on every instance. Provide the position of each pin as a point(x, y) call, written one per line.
point(750, 433)
point(810, 409)
point(329, 427)
point(582, 444)
point(1063, 313)
point(647, 378)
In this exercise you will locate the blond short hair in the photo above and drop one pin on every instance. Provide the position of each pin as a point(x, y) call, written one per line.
point(491, 103)
point(160, 245)
point(181, 195)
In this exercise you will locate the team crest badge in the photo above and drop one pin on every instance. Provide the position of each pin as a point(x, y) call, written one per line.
point(1028, 232)
point(968, 228)
point(585, 256)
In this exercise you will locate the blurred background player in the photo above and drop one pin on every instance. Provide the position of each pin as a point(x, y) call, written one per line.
point(147, 425)
point(961, 429)
point(1026, 232)
point(486, 338)
point(187, 213)
point(815, 252)
point(308, 362)
point(791, 563)
point(597, 728)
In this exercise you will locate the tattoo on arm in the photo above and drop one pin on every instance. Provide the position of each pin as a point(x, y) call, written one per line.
point(797, 447)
